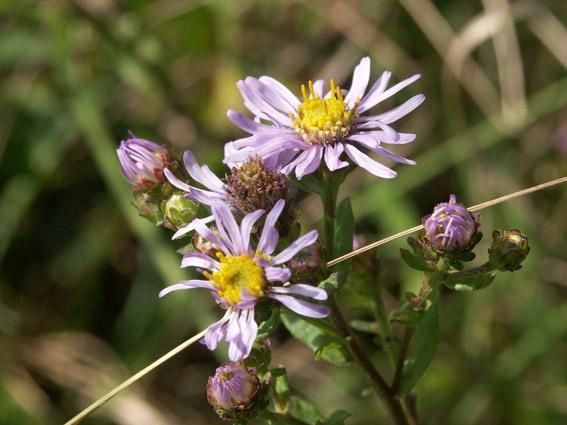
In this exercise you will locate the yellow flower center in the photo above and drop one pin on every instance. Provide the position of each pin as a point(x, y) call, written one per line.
point(323, 121)
point(235, 274)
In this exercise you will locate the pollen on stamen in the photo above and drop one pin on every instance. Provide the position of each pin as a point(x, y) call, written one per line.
point(323, 120)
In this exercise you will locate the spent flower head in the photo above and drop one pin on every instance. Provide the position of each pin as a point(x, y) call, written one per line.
point(451, 228)
point(298, 134)
point(235, 391)
point(241, 274)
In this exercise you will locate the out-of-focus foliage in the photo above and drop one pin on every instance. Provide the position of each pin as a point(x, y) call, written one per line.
point(80, 272)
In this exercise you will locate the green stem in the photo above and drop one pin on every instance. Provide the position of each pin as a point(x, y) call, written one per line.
point(385, 329)
point(329, 200)
point(408, 334)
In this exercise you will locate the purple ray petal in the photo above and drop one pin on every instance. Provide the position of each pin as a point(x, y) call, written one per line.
point(269, 238)
point(246, 226)
point(319, 87)
point(227, 227)
point(277, 274)
point(196, 259)
point(310, 163)
point(175, 181)
point(282, 90)
point(379, 97)
point(368, 163)
point(217, 331)
point(209, 236)
point(304, 241)
point(301, 289)
point(333, 156)
point(187, 284)
point(191, 226)
point(360, 79)
point(301, 307)
point(376, 90)
point(401, 111)
point(202, 174)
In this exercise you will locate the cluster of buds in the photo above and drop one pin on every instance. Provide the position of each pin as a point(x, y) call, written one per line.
point(142, 164)
point(236, 392)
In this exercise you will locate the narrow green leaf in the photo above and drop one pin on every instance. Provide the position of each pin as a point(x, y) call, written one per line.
point(333, 350)
point(423, 348)
point(305, 410)
point(413, 261)
point(268, 326)
point(280, 386)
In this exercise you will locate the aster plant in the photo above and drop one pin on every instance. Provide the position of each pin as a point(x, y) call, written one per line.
point(246, 250)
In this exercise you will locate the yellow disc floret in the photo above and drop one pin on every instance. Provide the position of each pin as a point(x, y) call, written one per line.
point(235, 274)
point(323, 120)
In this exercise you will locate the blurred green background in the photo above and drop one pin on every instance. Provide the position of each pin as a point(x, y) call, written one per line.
point(80, 272)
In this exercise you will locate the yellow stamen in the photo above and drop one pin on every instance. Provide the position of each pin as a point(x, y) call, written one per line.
point(323, 121)
point(235, 274)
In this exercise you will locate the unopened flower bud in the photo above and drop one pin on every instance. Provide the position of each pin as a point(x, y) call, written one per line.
point(142, 162)
point(451, 228)
point(509, 249)
point(253, 186)
point(178, 211)
point(235, 392)
point(306, 264)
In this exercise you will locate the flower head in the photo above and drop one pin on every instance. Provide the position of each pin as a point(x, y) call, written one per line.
point(240, 274)
point(249, 187)
point(142, 162)
point(451, 227)
point(299, 133)
point(235, 391)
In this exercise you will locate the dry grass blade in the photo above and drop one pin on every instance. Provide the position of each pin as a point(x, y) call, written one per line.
point(101, 401)
point(474, 208)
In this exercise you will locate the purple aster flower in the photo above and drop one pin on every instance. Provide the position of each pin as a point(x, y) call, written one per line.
point(142, 162)
point(298, 134)
point(235, 391)
point(241, 275)
point(451, 227)
point(249, 187)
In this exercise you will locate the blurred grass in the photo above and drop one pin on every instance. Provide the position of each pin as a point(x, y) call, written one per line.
point(76, 75)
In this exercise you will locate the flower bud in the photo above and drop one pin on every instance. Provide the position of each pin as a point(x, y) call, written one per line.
point(142, 162)
point(307, 264)
point(178, 211)
point(235, 391)
point(509, 249)
point(451, 228)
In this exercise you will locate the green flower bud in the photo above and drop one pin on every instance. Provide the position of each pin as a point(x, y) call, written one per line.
point(178, 211)
point(148, 206)
point(509, 249)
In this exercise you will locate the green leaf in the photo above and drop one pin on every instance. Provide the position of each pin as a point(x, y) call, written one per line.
point(470, 283)
point(338, 417)
point(333, 350)
point(414, 261)
point(280, 387)
point(305, 410)
point(317, 338)
point(308, 184)
point(268, 326)
point(423, 348)
point(407, 314)
point(344, 231)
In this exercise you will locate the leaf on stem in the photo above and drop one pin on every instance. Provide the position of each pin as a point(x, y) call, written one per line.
point(423, 347)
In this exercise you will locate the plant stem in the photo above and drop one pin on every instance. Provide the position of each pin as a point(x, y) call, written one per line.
point(329, 200)
point(385, 329)
point(408, 334)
